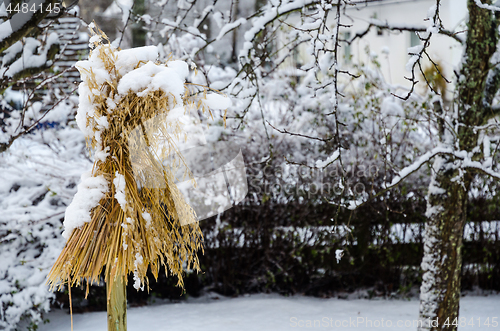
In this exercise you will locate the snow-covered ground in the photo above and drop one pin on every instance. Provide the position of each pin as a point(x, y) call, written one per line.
point(273, 312)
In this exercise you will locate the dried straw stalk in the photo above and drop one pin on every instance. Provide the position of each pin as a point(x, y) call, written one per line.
point(155, 227)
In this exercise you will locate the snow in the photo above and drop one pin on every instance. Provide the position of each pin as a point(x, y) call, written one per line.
point(37, 181)
point(147, 218)
point(146, 18)
point(90, 191)
point(433, 210)
point(3, 12)
point(486, 6)
point(117, 7)
point(11, 53)
point(152, 77)
point(119, 183)
point(86, 107)
point(94, 39)
point(137, 264)
point(5, 29)
point(30, 58)
point(273, 312)
point(415, 56)
point(329, 160)
point(338, 254)
point(217, 101)
point(269, 16)
point(230, 26)
point(127, 59)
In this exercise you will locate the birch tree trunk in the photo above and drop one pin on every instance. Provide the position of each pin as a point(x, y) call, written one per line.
point(449, 187)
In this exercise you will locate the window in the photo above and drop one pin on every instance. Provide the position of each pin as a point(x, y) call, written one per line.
point(347, 47)
point(414, 39)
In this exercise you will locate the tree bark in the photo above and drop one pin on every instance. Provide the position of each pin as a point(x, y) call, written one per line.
point(450, 182)
point(442, 261)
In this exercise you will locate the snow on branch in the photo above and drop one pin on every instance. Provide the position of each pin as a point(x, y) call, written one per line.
point(33, 57)
point(404, 173)
point(199, 21)
point(486, 6)
point(402, 27)
point(466, 163)
point(268, 17)
point(230, 27)
point(325, 163)
point(418, 52)
point(10, 34)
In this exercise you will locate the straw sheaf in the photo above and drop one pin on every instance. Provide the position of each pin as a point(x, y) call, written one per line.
point(155, 226)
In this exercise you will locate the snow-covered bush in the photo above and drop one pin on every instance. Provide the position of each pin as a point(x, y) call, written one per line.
point(38, 177)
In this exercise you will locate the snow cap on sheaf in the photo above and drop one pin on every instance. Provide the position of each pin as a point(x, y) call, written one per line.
point(119, 183)
point(90, 191)
point(153, 77)
point(85, 109)
point(127, 59)
point(94, 68)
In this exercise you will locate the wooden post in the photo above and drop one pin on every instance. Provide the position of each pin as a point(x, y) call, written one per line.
point(117, 305)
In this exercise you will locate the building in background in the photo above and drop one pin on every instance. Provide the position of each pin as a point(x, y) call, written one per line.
point(391, 46)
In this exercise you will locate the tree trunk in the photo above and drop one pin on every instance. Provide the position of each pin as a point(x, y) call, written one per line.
point(442, 262)
point(117, 305)
point(449, 187)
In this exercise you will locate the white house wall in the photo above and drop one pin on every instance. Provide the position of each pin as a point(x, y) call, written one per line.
point(391, 47)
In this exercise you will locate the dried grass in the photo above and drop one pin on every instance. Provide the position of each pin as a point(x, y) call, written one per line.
point(117, 238)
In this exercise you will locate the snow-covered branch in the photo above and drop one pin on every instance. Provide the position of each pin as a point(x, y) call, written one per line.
point(32, 59)
point(486, 6)
point(402, 27)
point(11, 31)
point(270, 14)
point(405, 172)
